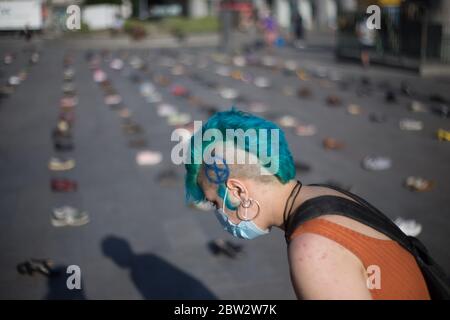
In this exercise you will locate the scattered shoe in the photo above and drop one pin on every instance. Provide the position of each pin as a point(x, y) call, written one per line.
point(411, 125)
point(179, 91)
point(68, 216)
point(434, 97)
point(8, 58)
point(236, 75)
point(14, 81)
point(99, 76)
point(306, 130)
point(148, 158)
point(179, 119)
point(262, 82)
point(63, 144)
point(417, 106)
point(354, 109)
point(124, 113)
point(220, 246)
point(443, 135)
point(304, 93)
point(239, 61)
point(442, 110)
point(113, 100)
point(390, 96)
point(376, 163)
point(418, 184)
point(68, 88)
point(301, 167)
point(69, 74)
point(130, 127)
point(116, 64)
point(63, 185)
point(228, 93)
point(165, 110)
point(147, 89)
point(68, 102)
point(287, 121)
point(377, 118)
point(332, 144)
point(32, 266)
point(58, 164)
point(333, 100)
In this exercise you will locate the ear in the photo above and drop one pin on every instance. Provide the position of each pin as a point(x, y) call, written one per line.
point(237, 189)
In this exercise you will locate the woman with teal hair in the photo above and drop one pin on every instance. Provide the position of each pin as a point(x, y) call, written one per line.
point(231, 166)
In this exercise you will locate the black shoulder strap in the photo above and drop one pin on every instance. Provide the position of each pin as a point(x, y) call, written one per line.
point(364, 204)
point(323, 205)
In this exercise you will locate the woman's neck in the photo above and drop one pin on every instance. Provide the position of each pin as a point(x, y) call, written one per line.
point(283, 197)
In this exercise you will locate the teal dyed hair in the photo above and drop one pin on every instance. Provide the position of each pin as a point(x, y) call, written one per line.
point(236, 119)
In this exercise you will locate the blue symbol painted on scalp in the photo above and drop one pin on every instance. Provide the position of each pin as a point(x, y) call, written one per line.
point(221, 174)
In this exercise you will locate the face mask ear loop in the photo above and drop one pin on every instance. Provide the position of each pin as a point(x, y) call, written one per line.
point(224, 200)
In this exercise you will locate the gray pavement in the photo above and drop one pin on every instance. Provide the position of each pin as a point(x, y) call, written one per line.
point(142, 241)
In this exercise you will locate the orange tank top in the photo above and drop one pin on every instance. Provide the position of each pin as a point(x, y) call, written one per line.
point(400, 276)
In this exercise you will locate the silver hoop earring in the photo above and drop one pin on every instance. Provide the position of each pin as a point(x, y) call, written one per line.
point(246, 204)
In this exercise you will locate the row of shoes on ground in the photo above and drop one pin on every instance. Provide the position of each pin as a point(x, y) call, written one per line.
point(131, 128)
point(65, 216)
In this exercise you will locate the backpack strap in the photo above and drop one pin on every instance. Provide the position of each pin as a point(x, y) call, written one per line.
point(323, 205)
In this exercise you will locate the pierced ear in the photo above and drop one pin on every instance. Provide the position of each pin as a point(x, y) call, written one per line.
point(237, 189)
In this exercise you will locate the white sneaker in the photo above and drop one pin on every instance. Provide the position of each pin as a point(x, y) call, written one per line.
point(69, 216)
point(376, 163)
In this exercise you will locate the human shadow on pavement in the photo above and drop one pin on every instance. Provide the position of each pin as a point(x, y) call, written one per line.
point(154, 277)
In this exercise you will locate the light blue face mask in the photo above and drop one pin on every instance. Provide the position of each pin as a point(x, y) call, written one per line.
point(244, 229)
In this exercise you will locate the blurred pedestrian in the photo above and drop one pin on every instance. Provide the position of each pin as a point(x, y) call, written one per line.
point(298, 30)
point(27, 33)
point(117, 25)
point(366, 38)
point(270, 28)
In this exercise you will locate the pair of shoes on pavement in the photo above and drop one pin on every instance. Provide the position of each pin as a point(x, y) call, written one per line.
point(332, 144)
point(63, 144)
point(63, 185)
point(61, 164)
point(68, 216)
point(418, 184)
point(42, 266)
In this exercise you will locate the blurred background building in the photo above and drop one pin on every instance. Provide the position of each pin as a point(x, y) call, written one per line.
point(414, 33)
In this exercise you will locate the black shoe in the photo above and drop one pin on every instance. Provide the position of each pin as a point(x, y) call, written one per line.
point(220, 246)
point(63, 144)
point(43, 266)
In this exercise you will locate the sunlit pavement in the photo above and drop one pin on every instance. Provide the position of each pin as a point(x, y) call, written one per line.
point(169, 256)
